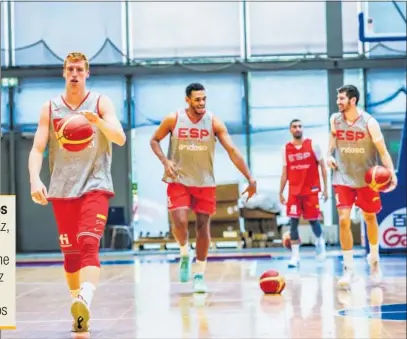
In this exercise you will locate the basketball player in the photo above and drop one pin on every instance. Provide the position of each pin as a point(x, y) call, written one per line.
point(302, 159)
point(189, 173)
point(356, 138)
point(81, 182)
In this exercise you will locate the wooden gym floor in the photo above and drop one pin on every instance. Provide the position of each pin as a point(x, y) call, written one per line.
point(140, 297)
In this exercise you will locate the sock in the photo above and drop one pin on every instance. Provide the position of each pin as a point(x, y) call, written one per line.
point(200, 267)
point(374, 251)
point(295, 248)
point(86, 292)
point(184, 250)
point(348, 259)
point(320, 241)
point(74, 293)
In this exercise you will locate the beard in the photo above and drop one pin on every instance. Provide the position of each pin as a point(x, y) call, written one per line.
point(343, 108)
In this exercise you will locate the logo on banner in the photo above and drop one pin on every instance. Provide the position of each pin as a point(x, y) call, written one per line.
point(393, 230)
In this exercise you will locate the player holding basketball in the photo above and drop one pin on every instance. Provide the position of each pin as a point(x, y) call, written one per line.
point(81, 182)
point(356, 138)
point(189, 173)
point(302, 159)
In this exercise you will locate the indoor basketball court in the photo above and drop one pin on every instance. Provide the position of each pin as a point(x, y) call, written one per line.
point(263, 64)
point(141, 297)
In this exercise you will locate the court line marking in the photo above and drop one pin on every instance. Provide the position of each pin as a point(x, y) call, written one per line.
point(27, 292)
point(253, 268)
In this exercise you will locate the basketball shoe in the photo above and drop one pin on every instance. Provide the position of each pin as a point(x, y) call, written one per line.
point(375, 271)
point(347, 278)
point(185, 268)
point(199, 284)
point(81, 315)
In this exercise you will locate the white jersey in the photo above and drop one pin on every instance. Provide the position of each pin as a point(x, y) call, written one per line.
point(192, 149)
point(76, 173)
point(355, 151)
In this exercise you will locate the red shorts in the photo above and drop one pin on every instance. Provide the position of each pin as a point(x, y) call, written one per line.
point(305, 205)
point(86, 215)
point(364, 197)
point(199, 199)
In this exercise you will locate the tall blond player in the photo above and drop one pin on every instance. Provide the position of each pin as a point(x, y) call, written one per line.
point(81, 182)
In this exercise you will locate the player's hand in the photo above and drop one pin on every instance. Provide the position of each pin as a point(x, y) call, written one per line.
point(92, 117)
point(282, 199)
point(170, 169)
point(325, 195)
point(331, 162)
point(251, 189)
point(393, 184)
point(39, 192)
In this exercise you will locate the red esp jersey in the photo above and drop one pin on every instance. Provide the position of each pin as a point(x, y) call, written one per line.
point(302, 169)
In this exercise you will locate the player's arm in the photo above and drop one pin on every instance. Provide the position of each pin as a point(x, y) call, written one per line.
point(224, 138)
point(36, 156)
point(165, 128)
point(331, 144)
point(321, 163)
point(109, 124)
point(283, 179)
point(324, 176)
point(378, 140)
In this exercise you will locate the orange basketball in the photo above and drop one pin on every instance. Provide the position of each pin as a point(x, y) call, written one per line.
point(378, 178)
point(272, 282)
point(74, 132)
point(287, 240)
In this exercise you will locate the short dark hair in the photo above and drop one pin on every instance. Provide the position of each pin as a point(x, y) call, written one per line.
point(294, 120)
point(194, 87)
point(350, 91)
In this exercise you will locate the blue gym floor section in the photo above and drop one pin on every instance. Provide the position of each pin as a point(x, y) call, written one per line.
point(395, 312)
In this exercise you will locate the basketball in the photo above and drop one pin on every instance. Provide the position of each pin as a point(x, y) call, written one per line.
point(74, 132)
point(378, 178)
point(272, 282)
point(287, 240)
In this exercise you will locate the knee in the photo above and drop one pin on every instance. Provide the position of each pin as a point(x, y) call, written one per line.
point(180, 223)
point(72, 262)
point(344, 219)
point(89, 250)
point(370, 218)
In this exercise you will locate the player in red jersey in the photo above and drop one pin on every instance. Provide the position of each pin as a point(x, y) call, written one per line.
point(301, 162)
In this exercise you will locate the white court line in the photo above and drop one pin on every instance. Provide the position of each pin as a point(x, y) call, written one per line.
point(253, 269)
point(28, 292)
point(120, 318)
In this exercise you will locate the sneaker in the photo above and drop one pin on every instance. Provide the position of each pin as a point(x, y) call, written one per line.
point(375, 271)
point(79, 335)
point(347, 278)
point(294, 262)
point(80, 313)
point(320, 249)
point(184, 269)
point(199, 284)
